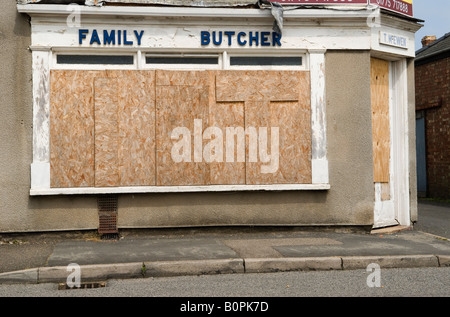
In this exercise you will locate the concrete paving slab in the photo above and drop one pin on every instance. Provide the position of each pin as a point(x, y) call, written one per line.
point(405, 243)
point(261, 248)
point(138, 250)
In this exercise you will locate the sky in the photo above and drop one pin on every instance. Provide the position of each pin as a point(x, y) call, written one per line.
point(436, 14)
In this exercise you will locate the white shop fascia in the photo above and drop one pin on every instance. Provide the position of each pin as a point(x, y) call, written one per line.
point(167, 31)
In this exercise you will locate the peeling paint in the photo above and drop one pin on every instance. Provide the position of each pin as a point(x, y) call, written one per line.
point(41, 107)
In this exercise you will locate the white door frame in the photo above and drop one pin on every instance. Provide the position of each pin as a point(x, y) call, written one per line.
point(400, 142)
point(396, 210)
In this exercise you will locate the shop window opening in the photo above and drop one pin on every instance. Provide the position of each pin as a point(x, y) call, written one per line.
point(266, 61)
point(95, 59)
point(182, 59)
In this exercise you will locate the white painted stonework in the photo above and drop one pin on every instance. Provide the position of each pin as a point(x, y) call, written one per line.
point(307, 32)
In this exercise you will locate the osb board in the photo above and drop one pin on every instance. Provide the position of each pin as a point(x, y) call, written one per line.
point(124, 136)
point(136, 127)
point(262, 85)
point(106, 132)
point(72, 128)
point(380, 119)
point(182, 97)
point(119, 148)
point(229, 117)
point(273, 99)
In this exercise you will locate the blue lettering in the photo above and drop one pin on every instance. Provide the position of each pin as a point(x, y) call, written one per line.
point(82, 35)
point(109, 38)
point(125, 41)
point(265, 38)
point(243, 38)
point(139, 36)
point(276, 39)
point(240, 41)
point(217, 42)
point(229, 34)
point(95, 38)
point(253, 38)
point(205, 38)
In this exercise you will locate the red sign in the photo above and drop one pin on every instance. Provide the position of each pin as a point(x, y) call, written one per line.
point(400, 6)
point(321, 2)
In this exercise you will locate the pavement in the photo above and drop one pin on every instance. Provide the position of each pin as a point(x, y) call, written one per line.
point(44, 257)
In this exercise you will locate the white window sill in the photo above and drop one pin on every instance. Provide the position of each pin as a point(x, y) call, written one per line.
point(174, 189)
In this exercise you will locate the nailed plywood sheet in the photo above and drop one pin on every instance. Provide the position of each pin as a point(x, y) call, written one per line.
point(259, 85)
point(136, 127)
point(293, 121)
point(181, 117)
point(380, 119)
point(72, 128)
point(133, 121)
point(106, 132)
point(229, 118)
point(277, 103)
point(124, 122)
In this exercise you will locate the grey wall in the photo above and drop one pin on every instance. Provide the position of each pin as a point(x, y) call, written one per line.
point(348, 202)
point(19, 212)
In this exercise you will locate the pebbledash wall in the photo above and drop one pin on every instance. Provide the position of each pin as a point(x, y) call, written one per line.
point(334, 86)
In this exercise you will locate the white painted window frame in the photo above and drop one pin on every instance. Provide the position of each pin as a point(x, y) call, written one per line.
point(56, 65)
point(44, 59)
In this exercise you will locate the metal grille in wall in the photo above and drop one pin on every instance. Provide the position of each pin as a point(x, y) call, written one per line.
point(107, 214)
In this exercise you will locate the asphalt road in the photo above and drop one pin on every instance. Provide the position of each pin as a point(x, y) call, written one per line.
point(423, 282)
point(434, 218)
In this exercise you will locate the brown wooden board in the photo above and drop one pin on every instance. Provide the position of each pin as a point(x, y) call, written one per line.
point(125, 125)
point(273, 100)
point(182, 98)
point(106, 132)
point(380, 119)
point(72, 128)
point(136, 127)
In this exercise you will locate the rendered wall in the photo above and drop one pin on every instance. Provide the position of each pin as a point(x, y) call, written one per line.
point(18, 211)
point(348, 202)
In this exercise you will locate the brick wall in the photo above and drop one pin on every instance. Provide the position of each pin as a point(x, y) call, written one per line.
point(433, 96)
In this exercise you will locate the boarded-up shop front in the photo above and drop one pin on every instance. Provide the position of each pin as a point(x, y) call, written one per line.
point(208, 116)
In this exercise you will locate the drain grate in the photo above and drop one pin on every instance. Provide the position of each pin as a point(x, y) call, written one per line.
point(85, 285)
point(107, 214)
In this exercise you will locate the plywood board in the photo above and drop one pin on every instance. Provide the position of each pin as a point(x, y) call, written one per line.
point(136, 127)
point(275, 101)
point(72, 128)
point(229, 118)
point(123, 122)
point(182, 98)
point(293, 121)
point(106, 132)
point(380, 119)
point(259, 85)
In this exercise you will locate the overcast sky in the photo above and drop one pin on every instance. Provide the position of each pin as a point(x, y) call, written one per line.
point(436, 14)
